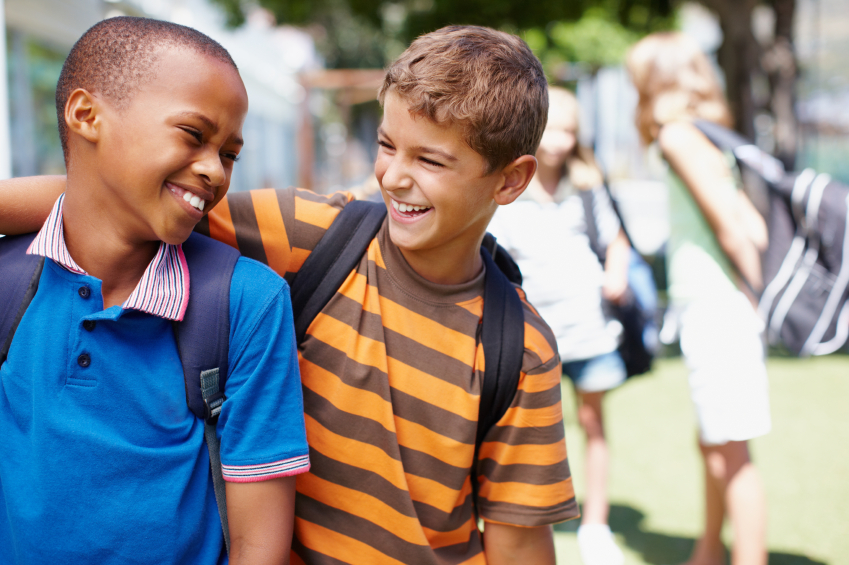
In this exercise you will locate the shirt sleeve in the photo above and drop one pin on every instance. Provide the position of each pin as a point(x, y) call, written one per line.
point(261, 425)
point(524, 473)
point(278, 228)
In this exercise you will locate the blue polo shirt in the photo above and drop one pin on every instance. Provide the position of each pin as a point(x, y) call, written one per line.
point(102, 461)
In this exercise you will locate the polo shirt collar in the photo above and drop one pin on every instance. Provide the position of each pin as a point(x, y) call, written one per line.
point(163, 290)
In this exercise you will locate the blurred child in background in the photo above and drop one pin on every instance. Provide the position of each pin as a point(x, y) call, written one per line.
point(545, 231)
point(713, 253)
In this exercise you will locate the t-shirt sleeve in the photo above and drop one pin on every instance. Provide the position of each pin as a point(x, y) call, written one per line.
point(524, 473)
point(276, 227)
point(261, 425)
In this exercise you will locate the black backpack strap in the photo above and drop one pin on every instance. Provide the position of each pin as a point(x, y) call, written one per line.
point(19, 276)
point(503, 340)
point(586, 197)
point(765, 165)
point(505, 263)
point(333, 259)
point(203, 341)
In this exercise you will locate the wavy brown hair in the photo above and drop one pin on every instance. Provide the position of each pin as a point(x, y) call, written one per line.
point(487, 81)
point(675, 81)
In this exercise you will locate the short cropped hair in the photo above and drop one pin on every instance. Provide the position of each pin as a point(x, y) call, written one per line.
point(675, 81)
point(117, 55)
point(487, 81)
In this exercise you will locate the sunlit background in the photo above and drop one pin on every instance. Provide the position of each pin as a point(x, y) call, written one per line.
point(312, 68)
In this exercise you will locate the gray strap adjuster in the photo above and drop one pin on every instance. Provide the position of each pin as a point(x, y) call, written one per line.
point(213, 396)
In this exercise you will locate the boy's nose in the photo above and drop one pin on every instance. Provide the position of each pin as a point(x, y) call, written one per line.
point(396, 176)
point(211, 169)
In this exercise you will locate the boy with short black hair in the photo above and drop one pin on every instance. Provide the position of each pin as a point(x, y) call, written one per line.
point(102, 460)
point(392, 366)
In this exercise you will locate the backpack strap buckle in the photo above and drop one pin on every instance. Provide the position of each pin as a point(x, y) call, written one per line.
point(213, 396)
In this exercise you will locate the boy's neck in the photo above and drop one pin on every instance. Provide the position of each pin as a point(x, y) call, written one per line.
point(99, 244)
point(456, 263)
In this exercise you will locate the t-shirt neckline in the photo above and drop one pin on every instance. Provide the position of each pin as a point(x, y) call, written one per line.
point(416, 285)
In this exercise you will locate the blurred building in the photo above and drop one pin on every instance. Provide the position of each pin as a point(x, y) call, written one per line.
point(822, 47)
point(39, 34)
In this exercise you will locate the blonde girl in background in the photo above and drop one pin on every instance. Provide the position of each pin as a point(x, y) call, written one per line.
point(712, 257)
point(545, 231)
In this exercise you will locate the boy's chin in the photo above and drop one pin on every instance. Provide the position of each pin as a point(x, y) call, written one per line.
point(176, 235)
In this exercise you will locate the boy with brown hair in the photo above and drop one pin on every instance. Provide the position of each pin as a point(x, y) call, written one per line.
point(392, 366)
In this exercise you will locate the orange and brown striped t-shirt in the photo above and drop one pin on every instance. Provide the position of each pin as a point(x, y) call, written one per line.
point(391, 372)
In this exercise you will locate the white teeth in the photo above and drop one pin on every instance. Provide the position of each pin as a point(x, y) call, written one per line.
point(401, 207)
point(201, 205)
point(187, 196)
point(194, 201)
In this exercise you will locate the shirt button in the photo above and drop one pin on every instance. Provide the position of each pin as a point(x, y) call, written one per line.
point(89, 325)
point(84, 360)
point(84, 291)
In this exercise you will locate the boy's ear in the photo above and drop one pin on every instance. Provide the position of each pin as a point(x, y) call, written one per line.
point(82, 113)
point(517, 174)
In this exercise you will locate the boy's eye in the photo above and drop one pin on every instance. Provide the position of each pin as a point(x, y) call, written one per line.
point(231, 156)
point(430, 162)
point(383, 144)
point(194, 133)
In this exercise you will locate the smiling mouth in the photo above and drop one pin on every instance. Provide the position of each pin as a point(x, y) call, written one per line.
point(409, 210)
point(193, 199)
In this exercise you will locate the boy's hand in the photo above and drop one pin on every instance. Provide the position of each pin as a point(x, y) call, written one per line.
point(261, 517)
point(513, 545)
point(26, 202)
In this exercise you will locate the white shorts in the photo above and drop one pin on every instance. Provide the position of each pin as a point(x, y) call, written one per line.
point(723, 348)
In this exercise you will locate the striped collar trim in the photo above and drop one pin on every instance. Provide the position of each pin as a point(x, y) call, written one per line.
point(163, 290)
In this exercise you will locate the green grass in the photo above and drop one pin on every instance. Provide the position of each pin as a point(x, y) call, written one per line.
point(656, 477)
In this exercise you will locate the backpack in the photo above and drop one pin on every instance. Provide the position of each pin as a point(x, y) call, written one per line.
point(806, 265)
point(637, 311)
point(203, 337)
point(204, 354)
point(503, 323)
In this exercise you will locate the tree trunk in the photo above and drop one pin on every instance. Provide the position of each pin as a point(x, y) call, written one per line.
point(738, 56)
point(779, 62)
point(744, 60)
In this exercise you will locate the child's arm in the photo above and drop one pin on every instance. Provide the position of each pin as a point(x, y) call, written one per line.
point(261, 517)
point(510, 545)
point(616, 268)
point(702, 167)
point(26, 202)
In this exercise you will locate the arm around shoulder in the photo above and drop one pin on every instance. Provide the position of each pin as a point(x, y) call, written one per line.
point(26, 202)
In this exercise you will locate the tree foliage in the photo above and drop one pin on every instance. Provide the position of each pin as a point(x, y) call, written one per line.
point(566, 34)
point(361, 33)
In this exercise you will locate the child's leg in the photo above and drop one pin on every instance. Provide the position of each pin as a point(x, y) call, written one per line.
point(709, 549)
point(733, 486)
point(596, 507)
point(592, 377)
point(745, 505)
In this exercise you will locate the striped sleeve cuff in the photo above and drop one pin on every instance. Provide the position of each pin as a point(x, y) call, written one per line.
point(266, 471)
